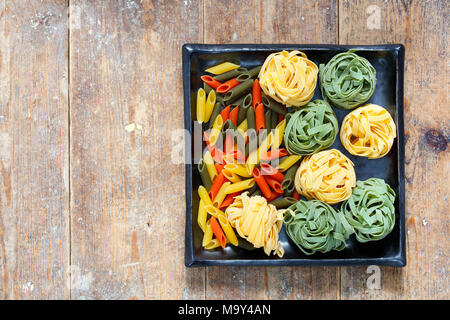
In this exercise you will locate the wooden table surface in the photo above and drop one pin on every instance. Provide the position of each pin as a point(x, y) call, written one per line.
point(91, 208)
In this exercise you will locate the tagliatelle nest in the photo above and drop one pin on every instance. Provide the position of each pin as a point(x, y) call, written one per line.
point(289, 78)
point(328, 176)
point(368, 131)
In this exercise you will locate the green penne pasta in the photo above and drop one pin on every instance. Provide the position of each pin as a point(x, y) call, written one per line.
point(251, 122)
point(215, 113)
point(228, 125)
point(257, 193)
point(230, 74)
point(254, 72)
point(283, 203)
point(238, 91)
point(244, 103)
point(252, 141)
point(289, 177)
point(289, 191)
point(204, 175)
point(207, 88)
point(243, 77)
point(272, 104)
point(274, 119)
point(268, 120)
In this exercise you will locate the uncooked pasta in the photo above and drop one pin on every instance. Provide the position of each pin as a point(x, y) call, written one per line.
point(368, 131)
point(315, 226)
point(347, 80)
point(257, 222)
point(311, 129)
point(328, 176)
point(370, 210)
point(289, 78)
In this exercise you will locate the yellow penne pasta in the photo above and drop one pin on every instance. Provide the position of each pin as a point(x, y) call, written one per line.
point(210, 209)
point(208, 235)
point(227, 229)
point(278, 134)
point(222, 68)
point(240, 186)
point(288, 162)
point(233, 177)
point(243, 126)
point(209, 105)
point(221, 194)
point(216, 130)
point(253, 158)
point(201, 217)
point(210, 167)
point(237, 169)
point(214, 243)
point(201, 101)
point(204, 196)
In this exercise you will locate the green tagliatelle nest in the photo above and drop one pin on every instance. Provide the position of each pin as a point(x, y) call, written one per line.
point(315, 226)
point(347, 80)
point(311, 129)
point(370, 209)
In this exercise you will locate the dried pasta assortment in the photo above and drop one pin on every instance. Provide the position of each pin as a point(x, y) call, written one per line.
point(347, 80)
point(368, 131)
point(258, 122)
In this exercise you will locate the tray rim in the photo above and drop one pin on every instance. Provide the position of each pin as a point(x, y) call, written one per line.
point(190, 261)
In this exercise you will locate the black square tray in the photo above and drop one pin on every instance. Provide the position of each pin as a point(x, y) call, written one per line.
point(388, 61)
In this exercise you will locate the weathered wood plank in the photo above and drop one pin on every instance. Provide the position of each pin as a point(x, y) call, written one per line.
point(422, 27)
point(271, 22)
point(127, 197)
point(34, 184)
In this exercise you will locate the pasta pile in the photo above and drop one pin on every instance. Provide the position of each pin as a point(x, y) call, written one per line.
point(327, 176)
point(315, 226)
point(311, 129)
point(347, 80)
point(368, 131)
point(254, 137)
point(289, 78)
point(244, 153)
point(257, 221)
point(370, 210)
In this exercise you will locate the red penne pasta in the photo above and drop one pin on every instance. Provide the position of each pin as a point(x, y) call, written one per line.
point(262, 184)
point(268, 170)
point(234, 115)
point(256, 93)
point(218, 232)
point(228, 85)
point(215, 152)
point(259, 117)
point(280, 117)
point(273, 154)
point(228, 200)
point(217, 183)
point(274, 184)
point(219, 167)
point(210, 81)
point(229, 144)
point(225, 113)
point(273, 196)
point(296, 195)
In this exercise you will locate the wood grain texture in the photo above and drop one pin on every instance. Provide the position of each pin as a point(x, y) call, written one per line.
point(34, 188)
point(127, 199)
point(422, 27)
point(271, 22)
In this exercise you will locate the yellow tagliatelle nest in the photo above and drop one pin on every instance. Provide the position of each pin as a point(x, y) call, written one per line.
point(368, 131)
point(327, 176)
point(289, 77)
point(257, 221)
